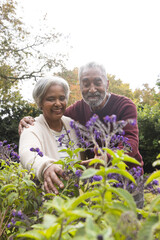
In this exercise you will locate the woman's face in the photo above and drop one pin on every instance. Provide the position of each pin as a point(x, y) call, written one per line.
point(54, 103)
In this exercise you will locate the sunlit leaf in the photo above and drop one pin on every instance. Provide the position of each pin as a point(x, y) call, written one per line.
point(152, 177)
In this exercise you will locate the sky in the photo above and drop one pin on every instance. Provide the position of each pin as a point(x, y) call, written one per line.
point(123, 35)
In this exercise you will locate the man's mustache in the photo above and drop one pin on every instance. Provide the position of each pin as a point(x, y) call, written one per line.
point(93, 94)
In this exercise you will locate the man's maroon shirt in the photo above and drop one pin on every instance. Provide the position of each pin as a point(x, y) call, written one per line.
point(117, 105)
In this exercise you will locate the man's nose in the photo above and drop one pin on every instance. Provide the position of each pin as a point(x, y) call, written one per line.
point(92, 88)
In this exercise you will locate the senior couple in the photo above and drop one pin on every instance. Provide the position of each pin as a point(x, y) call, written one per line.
point(51, 95)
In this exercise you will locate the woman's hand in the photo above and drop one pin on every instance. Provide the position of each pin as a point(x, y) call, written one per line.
point(25, 122)
point(51, 179)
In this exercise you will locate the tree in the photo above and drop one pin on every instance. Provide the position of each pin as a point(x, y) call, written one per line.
point(158, 81)
point(145, 96)
point(23, 55)
point(13, 109)
point(72, 77)
point(149, 132)
point(118, 87)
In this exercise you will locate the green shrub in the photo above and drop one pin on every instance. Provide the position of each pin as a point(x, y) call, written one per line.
point(149, 132)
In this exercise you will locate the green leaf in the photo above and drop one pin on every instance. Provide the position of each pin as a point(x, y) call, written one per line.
point(156, 163)
point(121, 172)
point(91, 228)
point(52, 230)
point(59, 162)
point(49, 220)
point(152, 177)
point(78, 150)
point(147, 229)
point(8, 187)
point(90, 172)
point(36, 235)
point(112, 153)
point(97, 160)
point(79, 166)
point(154, 202)
point(127, 158)
point(158, 154)
point(83, 197)
point(12, 197)
point(119, 206)
point(126, 196)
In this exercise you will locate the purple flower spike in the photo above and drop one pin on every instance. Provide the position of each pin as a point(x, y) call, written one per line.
point(13, 221)
point(40, 154)
point(19, 214)
point(78, 173)
point(132, 122)
point(97, 178)
point(9, 225)
point(114, 118)
point(32, 149)
point(76, 185)
point(155, 182)
point(14, 212)
point(37, 150)
point(72, 124)
point(107, 119)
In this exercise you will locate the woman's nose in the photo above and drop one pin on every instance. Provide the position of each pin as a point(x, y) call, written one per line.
point(57, 102)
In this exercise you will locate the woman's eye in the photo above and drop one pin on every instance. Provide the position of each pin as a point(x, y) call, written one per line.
point(50, 99)
point(62, 98)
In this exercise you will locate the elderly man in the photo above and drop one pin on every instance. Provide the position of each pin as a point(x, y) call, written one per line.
point(97, 100)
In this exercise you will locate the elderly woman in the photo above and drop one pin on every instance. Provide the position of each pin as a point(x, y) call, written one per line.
point(51, 95)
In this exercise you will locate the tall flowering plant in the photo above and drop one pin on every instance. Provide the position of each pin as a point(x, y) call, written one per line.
point(103, 135)
point(107, 138)
point(96, 202)
point(19, 195)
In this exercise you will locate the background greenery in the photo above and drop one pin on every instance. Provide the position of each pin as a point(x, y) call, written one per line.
point(19, 48)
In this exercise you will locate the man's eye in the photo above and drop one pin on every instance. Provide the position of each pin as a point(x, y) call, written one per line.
point(86, 84)
point(98, 83)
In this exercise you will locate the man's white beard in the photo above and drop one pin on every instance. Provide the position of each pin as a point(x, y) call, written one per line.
point(95, 103)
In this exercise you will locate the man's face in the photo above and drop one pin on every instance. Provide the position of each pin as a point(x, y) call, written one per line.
point(94, 88)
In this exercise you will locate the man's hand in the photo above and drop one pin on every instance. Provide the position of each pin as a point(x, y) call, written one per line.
point(25, 122)
point(51, 179)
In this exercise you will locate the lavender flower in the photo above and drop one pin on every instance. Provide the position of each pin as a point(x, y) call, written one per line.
point(14, 213)
point(40, 154)
point(108, 134)
point(19, 213)
point(13, 221)
point(9, 225)
point(97, 178)
point(7, 152)
point(155, 182)
point(37, 150)
point(78, 173)
point(76, 185)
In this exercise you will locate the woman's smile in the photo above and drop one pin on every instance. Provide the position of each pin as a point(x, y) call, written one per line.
point(54, 104)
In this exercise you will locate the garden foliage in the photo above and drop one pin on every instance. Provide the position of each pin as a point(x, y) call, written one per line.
point(149, 132)
point(99, 202)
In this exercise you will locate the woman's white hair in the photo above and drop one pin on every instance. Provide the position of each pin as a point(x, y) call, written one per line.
point(44, 84)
